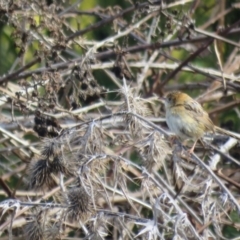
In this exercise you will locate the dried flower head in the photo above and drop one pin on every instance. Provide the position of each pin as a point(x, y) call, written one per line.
point(153, 150)
point(36, 226)
point(85, 87)
point(51, 148)
point(80, 204)
point(59, 165)
point(134, 104)
point(41, 176)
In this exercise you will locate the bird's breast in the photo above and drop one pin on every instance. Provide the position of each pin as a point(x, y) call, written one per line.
point(183, 125)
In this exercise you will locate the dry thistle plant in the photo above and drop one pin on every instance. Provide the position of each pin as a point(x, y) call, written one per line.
point(85, 149)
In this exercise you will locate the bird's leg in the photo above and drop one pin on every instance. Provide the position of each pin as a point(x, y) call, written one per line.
point(192, 148)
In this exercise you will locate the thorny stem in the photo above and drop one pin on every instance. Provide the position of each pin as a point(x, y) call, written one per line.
point(132, 167)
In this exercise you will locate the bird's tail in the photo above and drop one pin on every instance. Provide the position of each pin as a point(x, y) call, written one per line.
point(228, 133)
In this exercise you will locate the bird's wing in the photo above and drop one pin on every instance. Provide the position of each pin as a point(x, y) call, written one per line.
point(194, 108)
point(196, 111)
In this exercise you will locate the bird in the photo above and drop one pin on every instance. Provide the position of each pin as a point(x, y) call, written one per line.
point(187, 119)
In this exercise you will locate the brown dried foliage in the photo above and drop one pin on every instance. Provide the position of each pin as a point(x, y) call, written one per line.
point(85, 151)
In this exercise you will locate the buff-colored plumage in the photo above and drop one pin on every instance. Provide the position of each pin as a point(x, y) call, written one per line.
point(187, 119)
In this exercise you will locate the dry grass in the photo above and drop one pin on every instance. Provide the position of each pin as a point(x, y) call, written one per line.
point(85, 150)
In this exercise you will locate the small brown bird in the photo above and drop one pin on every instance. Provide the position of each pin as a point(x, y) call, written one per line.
point(187, 119)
